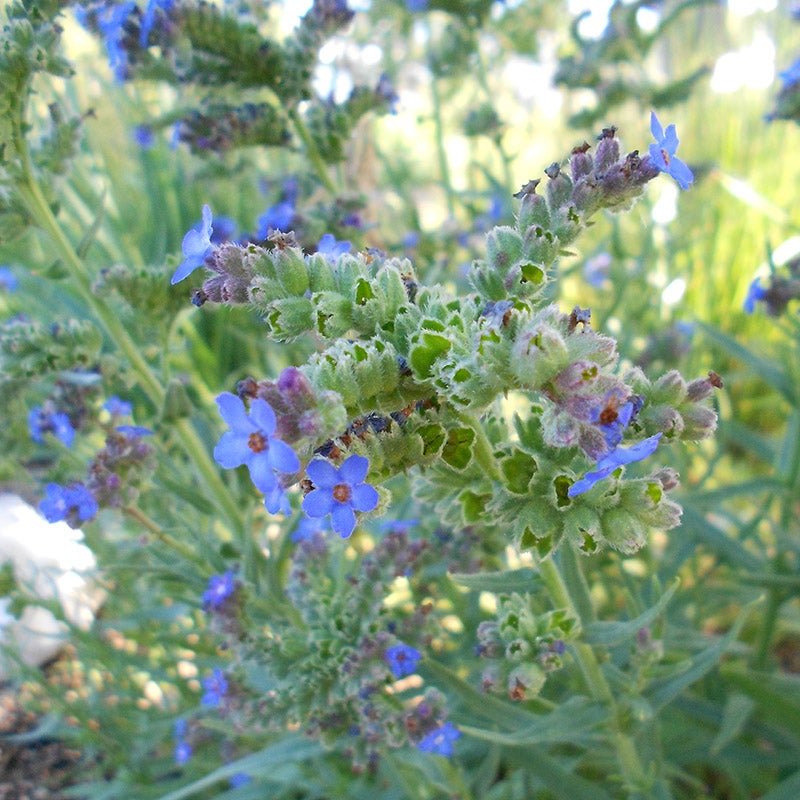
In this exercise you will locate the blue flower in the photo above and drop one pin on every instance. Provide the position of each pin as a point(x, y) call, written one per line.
point(62, 502)
point(251, 441)
point(307, 528)
point(240, 779)
point(224, 230)
point(791, 76)
point(149, 18)
point(133, 431)
point(111, 20)
point(196, 247)
point(143, 136)
point(8, 280)
point(220, 588)
point(610, 418)
point(662, 153)
point(340, 492)
point(416, 5)
point(755, 293)
point(609, 463)
point(55, 422)
point(276, 218)
point(118, 407)
point(441, 740)
point(331, 249)
point(183, 752)
point(216, 687)
point(402, 659)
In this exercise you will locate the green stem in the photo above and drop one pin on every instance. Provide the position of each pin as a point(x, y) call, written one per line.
point(161, 535)
point(441, 151)
point(312, 153)
point(42, 214)
point(633, 772)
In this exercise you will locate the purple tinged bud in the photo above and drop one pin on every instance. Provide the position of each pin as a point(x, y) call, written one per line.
point(607, 152)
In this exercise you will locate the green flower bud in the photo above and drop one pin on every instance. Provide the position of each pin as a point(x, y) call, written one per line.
point(533, 208)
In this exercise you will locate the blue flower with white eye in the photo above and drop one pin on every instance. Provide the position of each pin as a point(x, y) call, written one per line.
point(251, 440)
point(662, 153)
point(441, 740)
point(62, 502)
point(614, 460)
point(220, 588)
point(340, 492)
point(755, 293)
point(196, 247)
point(402, 659)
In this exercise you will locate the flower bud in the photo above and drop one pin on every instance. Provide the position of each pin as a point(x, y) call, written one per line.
point(581, 163)
point(559, 187)
point(533, 209)
point(607, 152)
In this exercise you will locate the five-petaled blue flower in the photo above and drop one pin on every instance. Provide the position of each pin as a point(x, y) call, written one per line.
point(755, 293)
point(220, 588)
point(118, 407)
point(55, 422)
point(441, 740)
point(402, 659)
point(609, 463)
point(662, 153)
point(62, 501)
point(216, 687)
point(251, 441)
point(331, 248)
point(340, 492)
point(196, 247)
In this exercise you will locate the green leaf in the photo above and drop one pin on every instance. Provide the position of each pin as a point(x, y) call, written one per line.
point(577, 715)
point(785, 790)
point(663, 691)
point(512, 580)
point(777, 695)
point(289, 750)
point(738, 709)
point(765, 367)
point(607, 634)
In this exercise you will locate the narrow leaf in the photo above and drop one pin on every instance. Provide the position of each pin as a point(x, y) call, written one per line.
point(512, 580)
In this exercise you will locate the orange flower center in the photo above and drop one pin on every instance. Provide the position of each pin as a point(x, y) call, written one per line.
point(666, 156)
point(342, 492)
point(257, 442)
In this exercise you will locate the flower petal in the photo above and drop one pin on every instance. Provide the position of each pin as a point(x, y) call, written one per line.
point(670, 140)
point(323, 474)
point(232, 450)
point(682, 174)
point(276, 501)
point(262, 474)
point(343, 520)
point(354, 469)
point(233, 413)
point(263, 416)
point(318, 502)
point(655, 127)
point(281, 456)
point(365, 497)
point(657, 156)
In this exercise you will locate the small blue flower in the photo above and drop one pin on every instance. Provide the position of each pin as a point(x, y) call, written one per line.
point(662, 153)
point(196, 247)
point(331, 249)
point(791, 76)
point(118, 407)
point(251, 441)
point(55, 422)
point(111, 20)
point(611, 418)
point(143, 136)
point(755, 293)
point(225, 229)
point(133, 431)
point(340, 492)
point(416, 5)
point(220, 588)
point(595, 270)
point(183, 752)
point(402, 659)
point(62, 502)
point(180, 729)
point(441, 740)
point(216, 687)
point(149, 18)
point(609, 463)
point(276, 218)
point(240, 779)
point(8, 280)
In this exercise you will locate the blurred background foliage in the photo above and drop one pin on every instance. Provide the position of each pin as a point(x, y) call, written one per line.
point(487, 95)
